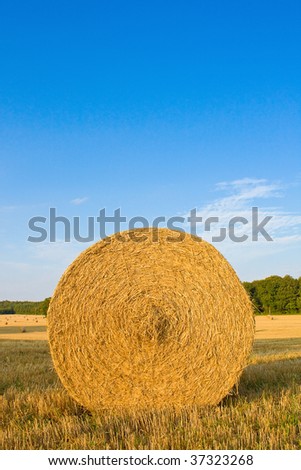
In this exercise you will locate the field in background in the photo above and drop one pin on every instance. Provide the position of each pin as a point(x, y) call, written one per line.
point(37, 413)
point(34, 327)
point(23, 327)
point(278, 326)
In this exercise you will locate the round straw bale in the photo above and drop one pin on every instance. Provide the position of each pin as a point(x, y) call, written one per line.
point(150, 318)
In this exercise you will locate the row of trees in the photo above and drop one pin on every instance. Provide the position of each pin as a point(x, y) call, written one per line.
point(275, 295)
point(24, 307)
point(7, 311)
point(272, 295)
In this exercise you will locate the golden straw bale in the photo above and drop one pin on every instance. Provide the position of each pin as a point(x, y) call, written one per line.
point(143, 319)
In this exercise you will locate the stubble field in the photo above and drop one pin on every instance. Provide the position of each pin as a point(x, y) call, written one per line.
point(264, 413)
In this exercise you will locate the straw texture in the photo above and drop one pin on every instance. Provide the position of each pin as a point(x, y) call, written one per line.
point(149, 323)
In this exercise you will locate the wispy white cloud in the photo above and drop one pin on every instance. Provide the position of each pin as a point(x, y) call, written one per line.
point(237, 199)
point(60, 252)
point(79, 200)
point(4, 209)
point(4, 265)
point(244, 182)
point(248, 189)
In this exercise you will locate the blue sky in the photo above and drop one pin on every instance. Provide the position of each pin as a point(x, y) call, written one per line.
point(153, 107)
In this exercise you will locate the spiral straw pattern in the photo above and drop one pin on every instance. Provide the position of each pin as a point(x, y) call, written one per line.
point(144, 319)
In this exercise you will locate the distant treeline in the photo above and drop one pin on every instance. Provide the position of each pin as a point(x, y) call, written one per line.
point(275, 295)
point(24, 307)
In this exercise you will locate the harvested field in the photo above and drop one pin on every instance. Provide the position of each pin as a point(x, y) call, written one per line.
point(37, 413)
point(281, 327)
point(23, 327)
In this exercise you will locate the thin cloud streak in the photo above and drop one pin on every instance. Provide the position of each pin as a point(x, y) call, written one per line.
point(79, 200)
point(284, 227)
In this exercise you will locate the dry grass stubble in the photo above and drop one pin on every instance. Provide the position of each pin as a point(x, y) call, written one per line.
point(37, 413)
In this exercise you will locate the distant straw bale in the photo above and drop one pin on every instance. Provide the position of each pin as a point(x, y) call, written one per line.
point(150, 323)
